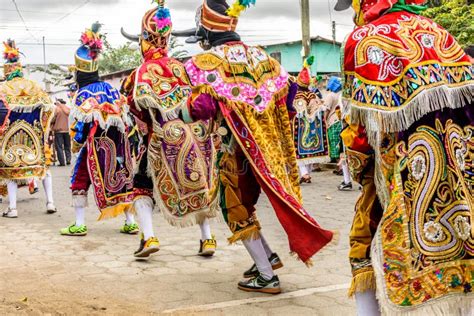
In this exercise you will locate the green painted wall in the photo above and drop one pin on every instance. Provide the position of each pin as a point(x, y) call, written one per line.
point(328, 56)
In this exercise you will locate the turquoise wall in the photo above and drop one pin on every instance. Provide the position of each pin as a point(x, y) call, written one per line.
point(328, 56)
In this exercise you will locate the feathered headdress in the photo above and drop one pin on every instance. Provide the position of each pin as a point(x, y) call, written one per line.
point(11, 54)
point(92, 40)
point(239, 6)
point(304, 77)
point(162, 18)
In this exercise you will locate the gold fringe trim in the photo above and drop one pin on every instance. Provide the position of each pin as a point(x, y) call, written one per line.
point(362, 282)
point(196, 217)
point(114, 211)
point(250, 232)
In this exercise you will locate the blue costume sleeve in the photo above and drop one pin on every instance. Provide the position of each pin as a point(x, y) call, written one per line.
point(81, 131)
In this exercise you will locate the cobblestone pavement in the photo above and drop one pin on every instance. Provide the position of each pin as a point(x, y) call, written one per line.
point(42, 272)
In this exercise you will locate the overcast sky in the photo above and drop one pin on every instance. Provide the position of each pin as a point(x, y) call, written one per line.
point(62, 21)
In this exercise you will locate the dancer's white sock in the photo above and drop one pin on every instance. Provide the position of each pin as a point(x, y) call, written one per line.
point(367, 304)
point(144, 210)
point(12, 188)
point(48, 187)
point(205, 230)
point(259, 256)
point(79, 202)
point(267, 248)
point(80, 215)
point(303, 168)
point(129, 218)
point(346, 172)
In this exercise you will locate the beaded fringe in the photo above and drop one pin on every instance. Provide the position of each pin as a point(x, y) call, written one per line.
point(434, 99)
point(97, 116)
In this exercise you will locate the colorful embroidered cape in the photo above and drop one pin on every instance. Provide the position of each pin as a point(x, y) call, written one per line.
point(309, 126)
point(25, 119)
point(100, 115)
point(181, 157)
point(251, 90)
point(409, 86)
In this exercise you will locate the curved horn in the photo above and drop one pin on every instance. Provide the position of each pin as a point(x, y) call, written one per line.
point(133, 38)
point(184, 33)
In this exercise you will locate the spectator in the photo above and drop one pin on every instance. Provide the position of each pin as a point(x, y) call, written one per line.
point(62, 139)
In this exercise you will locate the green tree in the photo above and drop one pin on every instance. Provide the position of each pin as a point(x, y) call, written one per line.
point(176, 49)
point(56, 75)
point(128, 56)
point(456, 16)
point(120, 58)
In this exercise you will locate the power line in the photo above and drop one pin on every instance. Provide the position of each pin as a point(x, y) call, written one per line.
point(61, 18)
point(23, 20)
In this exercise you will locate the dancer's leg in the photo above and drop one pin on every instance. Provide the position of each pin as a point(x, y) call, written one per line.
point(367, 304)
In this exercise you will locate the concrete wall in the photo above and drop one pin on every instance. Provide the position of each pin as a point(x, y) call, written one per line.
point(327, 56)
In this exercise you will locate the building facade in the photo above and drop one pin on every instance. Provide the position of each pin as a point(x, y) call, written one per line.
point(326, 52)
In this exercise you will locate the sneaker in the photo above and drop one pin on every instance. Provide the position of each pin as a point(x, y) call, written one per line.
point(274, 260)
point(259, 284)
point(147, 247)
point(131, 229)
point(345, 186)
point(74, 230)
point(337, 172)
point(10, 213)
point(50, 208)
point(207, 247)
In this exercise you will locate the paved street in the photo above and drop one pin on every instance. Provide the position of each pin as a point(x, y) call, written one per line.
point(42, 272)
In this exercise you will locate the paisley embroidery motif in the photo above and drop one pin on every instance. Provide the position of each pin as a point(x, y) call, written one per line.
point(426, 232)
point(182, 159)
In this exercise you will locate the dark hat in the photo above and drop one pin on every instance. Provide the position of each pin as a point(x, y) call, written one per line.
point(342, 5)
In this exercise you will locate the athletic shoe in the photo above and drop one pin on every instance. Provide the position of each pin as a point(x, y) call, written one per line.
point(50, 208)
point(259, 284)
point(147, 247)
point(274, 260)
point(74, 230)
point(207, 247)
point(305, 179)
point(10, 213)
point(345, 186)
point(337, 172)
point(131, 229)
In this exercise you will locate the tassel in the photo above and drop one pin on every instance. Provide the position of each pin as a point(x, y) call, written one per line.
point(250, 232)
point(362, 282)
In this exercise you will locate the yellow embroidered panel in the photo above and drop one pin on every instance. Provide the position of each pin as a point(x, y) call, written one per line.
point(426, 235)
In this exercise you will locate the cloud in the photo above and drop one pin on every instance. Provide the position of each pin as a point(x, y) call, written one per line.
point(270, 21)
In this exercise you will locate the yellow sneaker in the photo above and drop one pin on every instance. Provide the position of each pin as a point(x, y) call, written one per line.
point(207, 247)
point(147, 247)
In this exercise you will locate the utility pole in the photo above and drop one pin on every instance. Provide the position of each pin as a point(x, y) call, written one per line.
point(305, 27)
point(334, 31)
point(44, 62)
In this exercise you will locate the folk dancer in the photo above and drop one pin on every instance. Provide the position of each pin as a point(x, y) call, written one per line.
point(309, 126)
point(409, 88)
point(99, 132)
point(246, 90)
point(26, 112)
point(177, 169)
